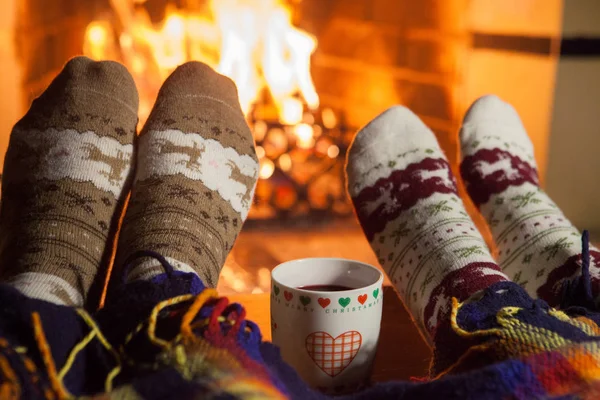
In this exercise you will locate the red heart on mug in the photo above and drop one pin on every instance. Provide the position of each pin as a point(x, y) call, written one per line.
point(324, 302)
point(362, 299)
point(333, 355)
point(288, 295)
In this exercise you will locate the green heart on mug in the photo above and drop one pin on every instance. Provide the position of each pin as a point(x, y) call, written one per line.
point(304, 300)
point(376, 292)
point(276, 289)
point(344, 301)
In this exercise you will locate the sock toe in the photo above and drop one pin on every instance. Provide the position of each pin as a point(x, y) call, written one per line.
point(194, 99)
point(88, 96)
point(108, 78)
point(493, 123)
point(197, 80)
point(490, 108)
point(395, 138)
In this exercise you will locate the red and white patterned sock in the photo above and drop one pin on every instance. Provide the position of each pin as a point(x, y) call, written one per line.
point(537, 245)
point(406, 200)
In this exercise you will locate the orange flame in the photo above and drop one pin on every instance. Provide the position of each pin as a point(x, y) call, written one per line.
point(251, 41)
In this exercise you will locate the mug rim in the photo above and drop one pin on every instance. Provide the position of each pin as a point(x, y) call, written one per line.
point(361, 264)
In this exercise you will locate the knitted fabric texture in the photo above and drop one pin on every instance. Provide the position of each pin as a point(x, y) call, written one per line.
point(188, 343)
point(538, 247)
point(66, 175)
point(195, 177)
point(168, 337)
point(407, 202)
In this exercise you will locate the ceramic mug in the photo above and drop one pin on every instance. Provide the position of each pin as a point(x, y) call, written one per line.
point(329, 337)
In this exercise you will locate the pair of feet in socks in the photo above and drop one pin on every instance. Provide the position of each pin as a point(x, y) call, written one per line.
point(74, 158)
point(406, 199)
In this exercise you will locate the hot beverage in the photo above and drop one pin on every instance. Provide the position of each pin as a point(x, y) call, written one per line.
point(325, 318)
point(325, 288)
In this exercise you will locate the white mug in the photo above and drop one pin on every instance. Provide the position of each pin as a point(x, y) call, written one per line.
point(329, 337)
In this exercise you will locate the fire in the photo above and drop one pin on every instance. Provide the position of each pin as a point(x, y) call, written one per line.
point(304, 136)
point(251, 41)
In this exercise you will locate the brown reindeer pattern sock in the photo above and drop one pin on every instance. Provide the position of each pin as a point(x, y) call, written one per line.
point(195, 178)
point(65, 171)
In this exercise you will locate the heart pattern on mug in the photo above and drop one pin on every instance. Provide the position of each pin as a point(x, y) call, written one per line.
point(333, 355)
point(323, 302)
point(305, 300)
point(344, 301)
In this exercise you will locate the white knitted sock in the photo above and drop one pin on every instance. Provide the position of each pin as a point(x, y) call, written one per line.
point(537, 245)
point(405, 197)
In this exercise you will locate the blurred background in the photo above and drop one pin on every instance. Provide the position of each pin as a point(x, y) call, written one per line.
point(311, 72)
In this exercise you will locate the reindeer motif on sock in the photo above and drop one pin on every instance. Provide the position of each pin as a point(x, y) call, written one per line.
point(117, 164)
point(194, 153)
point(248, 182)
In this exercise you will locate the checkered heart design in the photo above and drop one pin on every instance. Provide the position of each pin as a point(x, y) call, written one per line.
point(333, 355)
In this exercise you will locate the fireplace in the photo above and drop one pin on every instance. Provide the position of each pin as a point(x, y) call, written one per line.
point(310, 73)
point(359, 66)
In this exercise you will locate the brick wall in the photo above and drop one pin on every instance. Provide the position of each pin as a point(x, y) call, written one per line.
point(48, 33)
point(376, 53)
point(371, 54)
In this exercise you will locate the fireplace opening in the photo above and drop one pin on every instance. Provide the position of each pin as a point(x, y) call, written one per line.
point(309, 74)
point(301, 145)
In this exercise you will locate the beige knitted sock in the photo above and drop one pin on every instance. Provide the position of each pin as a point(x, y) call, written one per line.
point(65, 170)
point(195, 178)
